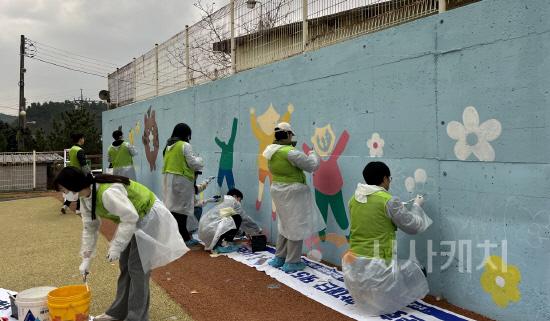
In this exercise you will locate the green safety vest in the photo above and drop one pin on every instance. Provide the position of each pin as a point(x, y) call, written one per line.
point(282, 170)
point(120, 157)
point(371, 224)
point(140, 196)
point(73, 159)
point(175, 162)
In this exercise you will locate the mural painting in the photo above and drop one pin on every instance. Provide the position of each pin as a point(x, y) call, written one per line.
point(376, 145)
point(262, 128)
point(134, 131)
point(472, 137)
point(150, 138)
point(225, 170)
point(327, 180)
point(501, 281)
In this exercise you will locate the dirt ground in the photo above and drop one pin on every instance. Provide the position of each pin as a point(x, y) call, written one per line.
point(223, 289)
point(219, 288)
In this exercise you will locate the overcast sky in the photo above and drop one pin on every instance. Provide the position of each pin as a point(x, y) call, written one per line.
point(114, 31)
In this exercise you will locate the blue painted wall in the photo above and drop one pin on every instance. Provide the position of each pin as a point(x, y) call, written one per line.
point(408, 83)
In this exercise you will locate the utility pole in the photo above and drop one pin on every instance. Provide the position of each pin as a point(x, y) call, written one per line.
point(79, 103)
point(22, 112)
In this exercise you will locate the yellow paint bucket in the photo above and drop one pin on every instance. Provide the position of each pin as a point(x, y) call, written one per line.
point(69, 303)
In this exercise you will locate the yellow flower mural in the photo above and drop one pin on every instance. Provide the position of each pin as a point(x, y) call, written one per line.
point(501, 281)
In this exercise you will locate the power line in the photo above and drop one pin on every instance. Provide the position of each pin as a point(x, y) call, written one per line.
point(72, 65)
point(68, 61)
point(74, 54)
point(69, 68)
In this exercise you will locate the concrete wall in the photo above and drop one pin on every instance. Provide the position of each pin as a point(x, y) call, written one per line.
point(461, 102)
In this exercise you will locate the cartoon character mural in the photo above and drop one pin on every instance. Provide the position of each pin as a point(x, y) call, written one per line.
point(262, 128)
point(313, 245)
point(150, 138)
point(327, 180)
point(134, 132)
point(226, 159)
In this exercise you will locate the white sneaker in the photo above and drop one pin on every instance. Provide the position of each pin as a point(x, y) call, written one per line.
point(104, 317)
point(64, 209)
point(77, 212)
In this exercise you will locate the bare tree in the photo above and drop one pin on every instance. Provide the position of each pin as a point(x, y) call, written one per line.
point(209, 39)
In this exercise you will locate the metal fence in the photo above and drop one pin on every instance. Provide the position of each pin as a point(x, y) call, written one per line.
point(245, 34)
point(24, 171)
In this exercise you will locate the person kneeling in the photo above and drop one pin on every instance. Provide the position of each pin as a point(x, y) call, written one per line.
point(221, 223)
point(379, 282)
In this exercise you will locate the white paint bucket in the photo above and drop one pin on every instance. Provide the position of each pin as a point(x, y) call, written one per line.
point(34, 301)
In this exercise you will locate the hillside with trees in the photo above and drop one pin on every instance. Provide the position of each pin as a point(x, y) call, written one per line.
point(51, 125)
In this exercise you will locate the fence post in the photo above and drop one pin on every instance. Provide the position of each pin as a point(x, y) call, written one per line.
point(117, 87)
point(305, 31)
point(135, 80)
point(442, 6)
point(156, 69)
point(33, 169)
point(187, 67)
point(233, 42)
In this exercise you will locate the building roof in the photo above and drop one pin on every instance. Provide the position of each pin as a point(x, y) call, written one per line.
point(25, 158)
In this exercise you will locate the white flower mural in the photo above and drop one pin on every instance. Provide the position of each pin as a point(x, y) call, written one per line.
point(420, 177)
point(376, 145)
point(472, 137)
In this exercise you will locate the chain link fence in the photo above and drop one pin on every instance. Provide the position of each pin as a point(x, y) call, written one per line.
point(246, 34)
point(27, 171)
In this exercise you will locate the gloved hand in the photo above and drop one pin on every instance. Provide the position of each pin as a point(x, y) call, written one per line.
point(113, 256)
point(419, 200)
point(213, 199)
point(85, 266)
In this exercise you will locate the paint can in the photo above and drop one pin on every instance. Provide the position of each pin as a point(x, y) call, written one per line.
point(32, 303)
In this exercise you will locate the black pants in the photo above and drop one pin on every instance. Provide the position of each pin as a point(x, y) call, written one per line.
point(230, 235)
point(68, 204)
point(182, 225)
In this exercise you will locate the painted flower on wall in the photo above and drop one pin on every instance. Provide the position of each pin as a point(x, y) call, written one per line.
point(376, 145)
point(420, 178)
point(501, 281)
point(472, 137)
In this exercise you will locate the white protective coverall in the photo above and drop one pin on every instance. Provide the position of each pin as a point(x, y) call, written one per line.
point(376, 287)
point(126, 171)
point(218, 221)
point(298, 216)
point(158, 239)
point(178, 190)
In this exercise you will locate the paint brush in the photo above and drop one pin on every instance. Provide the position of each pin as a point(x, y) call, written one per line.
point(412, 199)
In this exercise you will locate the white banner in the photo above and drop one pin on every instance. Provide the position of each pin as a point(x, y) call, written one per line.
point(325, 285)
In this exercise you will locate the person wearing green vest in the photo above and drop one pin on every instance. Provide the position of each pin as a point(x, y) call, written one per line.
point(77, 159)
point(297, 213)
point(146, 236)
point(379, 282)
point(180, 165)
point(120, 156)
